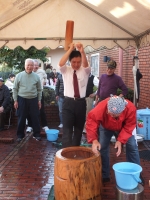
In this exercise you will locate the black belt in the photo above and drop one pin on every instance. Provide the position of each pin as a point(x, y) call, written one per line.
point(76, 99)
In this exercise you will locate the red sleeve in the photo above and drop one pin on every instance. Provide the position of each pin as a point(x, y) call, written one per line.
point(93, 121)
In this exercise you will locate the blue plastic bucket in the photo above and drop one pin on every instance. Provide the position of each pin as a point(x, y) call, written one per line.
point(127, 175)
point(143, 123)
point(52, 134)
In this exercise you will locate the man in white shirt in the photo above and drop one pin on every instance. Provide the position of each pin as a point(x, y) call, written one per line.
point(74, 106)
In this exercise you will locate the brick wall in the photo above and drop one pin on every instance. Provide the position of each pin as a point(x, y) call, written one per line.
point(51, 111)
point(127, 74)
point(52, 115)
point(113, 53)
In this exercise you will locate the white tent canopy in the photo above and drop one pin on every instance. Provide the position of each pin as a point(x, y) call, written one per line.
point(97, 23)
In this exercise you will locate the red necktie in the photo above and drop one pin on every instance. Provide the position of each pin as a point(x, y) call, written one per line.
point(75, 84)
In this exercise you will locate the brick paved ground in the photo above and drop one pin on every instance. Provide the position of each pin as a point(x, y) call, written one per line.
point(27, 169)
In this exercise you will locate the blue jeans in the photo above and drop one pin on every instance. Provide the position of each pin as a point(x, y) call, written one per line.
point(132, 153)
point(60, 103)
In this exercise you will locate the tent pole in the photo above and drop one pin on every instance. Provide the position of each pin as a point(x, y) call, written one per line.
point(120, 62)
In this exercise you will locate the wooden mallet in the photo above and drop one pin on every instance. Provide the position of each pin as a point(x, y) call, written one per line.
point(69, 34)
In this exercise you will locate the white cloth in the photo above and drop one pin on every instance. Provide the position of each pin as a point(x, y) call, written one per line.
point(43, 76)
point(96, 81)
point(135, 135)
point(51, 85)
point(9, 84)
point(135, 82)
point(82, 76)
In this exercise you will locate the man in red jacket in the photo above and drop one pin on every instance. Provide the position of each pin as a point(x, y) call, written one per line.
point(115, 116)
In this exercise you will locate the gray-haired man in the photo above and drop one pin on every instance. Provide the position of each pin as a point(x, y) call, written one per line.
point(27, 94)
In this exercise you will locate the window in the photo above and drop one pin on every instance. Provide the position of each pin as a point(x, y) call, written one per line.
point(95, 64)
point(49, 60)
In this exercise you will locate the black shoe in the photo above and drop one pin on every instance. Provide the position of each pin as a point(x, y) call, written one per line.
point(142, 179)
point(37, 138)
point(19, 139)
point(105, 180)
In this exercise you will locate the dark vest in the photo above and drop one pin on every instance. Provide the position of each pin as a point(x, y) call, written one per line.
point(90, 85)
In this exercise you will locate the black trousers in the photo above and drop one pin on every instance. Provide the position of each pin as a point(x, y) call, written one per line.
point(28, 107)
point(73, 114)
point(2, 121)
point(42, 115)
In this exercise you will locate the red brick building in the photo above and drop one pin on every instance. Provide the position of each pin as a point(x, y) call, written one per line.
point(127, 74)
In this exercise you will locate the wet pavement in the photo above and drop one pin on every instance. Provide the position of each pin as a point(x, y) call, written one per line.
point(27, 168)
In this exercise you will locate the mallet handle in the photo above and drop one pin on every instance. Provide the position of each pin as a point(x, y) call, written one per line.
point(69, 33)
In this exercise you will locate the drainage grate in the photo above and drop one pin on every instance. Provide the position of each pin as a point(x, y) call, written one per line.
point(145, 154)
point(147, 144)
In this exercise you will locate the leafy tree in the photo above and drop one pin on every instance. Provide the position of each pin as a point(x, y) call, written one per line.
point(15, 58)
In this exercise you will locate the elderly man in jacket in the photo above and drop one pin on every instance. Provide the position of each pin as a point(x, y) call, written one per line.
point(27, 93)
point(116, 116)
point(43, 77)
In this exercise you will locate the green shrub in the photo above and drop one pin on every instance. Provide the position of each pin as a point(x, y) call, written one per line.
point(49, 96)
point(95, 88)
point(129, 95)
